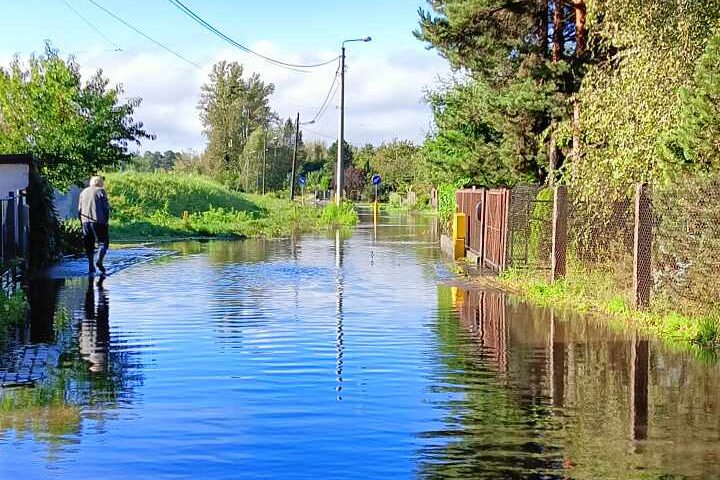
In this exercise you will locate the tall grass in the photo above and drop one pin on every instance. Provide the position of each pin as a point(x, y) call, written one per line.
point(150, 206)
point(342, 215)
point(595, 291)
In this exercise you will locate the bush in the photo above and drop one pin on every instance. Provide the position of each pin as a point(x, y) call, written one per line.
point(13, 309)
point(395, 199)
point(70, 237)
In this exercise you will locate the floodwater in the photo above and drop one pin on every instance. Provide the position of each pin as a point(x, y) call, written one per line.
point(354, 355)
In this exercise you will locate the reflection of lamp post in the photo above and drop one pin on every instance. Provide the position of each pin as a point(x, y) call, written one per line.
point(341, 120)
point(339, 348)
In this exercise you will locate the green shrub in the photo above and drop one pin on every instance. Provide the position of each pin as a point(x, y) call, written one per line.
point(395, 199)
point(13, 309)
point(70, 237)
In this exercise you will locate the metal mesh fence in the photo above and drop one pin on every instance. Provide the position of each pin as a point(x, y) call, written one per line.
point(600, 240)
point(686, 244)
point(530, 227)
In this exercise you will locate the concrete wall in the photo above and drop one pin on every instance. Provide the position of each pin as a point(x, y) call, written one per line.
point(13, 177)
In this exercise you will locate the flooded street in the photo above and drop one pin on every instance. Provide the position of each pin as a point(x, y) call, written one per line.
point(349, 355)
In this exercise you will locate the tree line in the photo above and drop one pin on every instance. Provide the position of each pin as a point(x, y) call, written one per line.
point(599, 94)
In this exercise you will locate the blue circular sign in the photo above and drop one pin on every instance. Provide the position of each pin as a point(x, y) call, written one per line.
point(301, 180)
point(376, 179)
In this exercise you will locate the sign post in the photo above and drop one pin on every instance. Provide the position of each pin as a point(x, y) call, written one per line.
point(301, 182)
point(375, 179)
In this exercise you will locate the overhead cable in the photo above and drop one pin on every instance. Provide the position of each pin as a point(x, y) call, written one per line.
point(328, 98)
point(205, 24)
point(156, 42)
point(91, 25)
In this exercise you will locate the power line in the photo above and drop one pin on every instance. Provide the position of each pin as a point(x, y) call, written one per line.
point(205, 24)
point(319, 134)
point(91, 25)
point(156, 42)
point(332, 92)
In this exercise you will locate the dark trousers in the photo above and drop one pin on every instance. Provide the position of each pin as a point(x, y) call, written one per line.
point(95, 233)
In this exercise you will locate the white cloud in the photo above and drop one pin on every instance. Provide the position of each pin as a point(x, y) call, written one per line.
point(383, 93)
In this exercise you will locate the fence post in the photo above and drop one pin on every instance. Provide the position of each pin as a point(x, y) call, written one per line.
point(483, 226)
point(559, 233)
point(642, 281)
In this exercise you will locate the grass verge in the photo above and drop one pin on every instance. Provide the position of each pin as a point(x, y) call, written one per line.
point(600, 291)
point(163, 206)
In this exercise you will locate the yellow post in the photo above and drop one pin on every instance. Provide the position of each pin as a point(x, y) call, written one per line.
point(459, 231)
point(458, 296)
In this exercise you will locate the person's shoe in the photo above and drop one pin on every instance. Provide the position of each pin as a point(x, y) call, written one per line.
point(100, 267)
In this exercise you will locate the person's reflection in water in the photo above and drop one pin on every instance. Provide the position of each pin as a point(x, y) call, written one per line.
point(95, 327)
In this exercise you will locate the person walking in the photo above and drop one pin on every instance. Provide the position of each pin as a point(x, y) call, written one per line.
point(94, 213)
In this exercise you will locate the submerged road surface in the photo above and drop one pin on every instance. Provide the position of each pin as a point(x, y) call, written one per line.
point(350, 355)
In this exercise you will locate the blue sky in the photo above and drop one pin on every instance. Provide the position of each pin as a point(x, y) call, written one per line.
point(385, 83)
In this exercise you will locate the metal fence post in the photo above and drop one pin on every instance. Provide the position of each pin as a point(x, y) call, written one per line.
point(559, 233)
point(642, 281)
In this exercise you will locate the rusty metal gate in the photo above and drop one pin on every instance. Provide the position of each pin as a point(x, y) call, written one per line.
point(471, 201)
point(486, 236)
point(497, 202)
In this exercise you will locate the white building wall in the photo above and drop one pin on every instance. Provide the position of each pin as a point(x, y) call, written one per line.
point(13, 177)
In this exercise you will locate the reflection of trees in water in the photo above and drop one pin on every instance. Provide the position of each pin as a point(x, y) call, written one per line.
point(567, 399)
point(92, 370)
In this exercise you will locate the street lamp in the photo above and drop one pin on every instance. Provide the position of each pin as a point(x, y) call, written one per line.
point(341, 121)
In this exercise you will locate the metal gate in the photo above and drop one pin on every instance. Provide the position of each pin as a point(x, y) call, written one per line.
point(471, 202)
point(486, 236)
point(497, 202)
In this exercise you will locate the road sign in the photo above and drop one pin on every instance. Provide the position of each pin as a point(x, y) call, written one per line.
point(301, 180)
point(376, 179)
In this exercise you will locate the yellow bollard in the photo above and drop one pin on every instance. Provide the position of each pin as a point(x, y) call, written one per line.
point(459, 232)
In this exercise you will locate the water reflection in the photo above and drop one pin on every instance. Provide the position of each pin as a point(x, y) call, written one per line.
point(339, 285)
point(545, 395)
point(95, 328)
point(87, 378)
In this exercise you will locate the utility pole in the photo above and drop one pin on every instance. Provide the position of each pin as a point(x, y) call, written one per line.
point(264, 162)
point(341, 132)
point(294, 160)
point(341, 122)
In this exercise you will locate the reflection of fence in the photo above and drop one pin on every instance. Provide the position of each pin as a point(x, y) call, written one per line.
point(14, 227)
point(484, 314)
